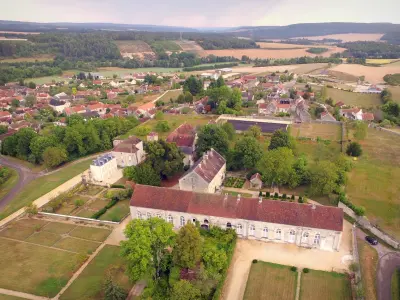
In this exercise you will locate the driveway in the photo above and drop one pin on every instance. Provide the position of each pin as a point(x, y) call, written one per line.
point(25, 176)
point(285, 254)
point(389, 261)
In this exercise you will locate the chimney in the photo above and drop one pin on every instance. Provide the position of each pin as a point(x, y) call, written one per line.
point(260, 200)
point(313, 206)
point(205, 156)
point(238, 197)
point(226, 196)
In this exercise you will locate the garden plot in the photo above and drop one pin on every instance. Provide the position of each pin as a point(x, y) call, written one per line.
point(234, 182)
point(40, 256)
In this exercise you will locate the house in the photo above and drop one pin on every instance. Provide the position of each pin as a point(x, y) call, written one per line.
point(368, 117)
point(304, 225)
point(340, 104)
point(59, 105)
point(255, 181)
point(5, 116)
point(185, 138)
point(103, 167)
point(75, 110)
point(98, 107)
point(206, 175)
point(214, 76)
point(326, 116)
point(352, 113)
point(128, 152)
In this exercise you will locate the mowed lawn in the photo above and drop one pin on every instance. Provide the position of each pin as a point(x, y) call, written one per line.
point(314, 130)
point(374, 180)
point(317, 285)
point(368, 265)
point(9, 184)
point(39, 256)
point(43, 185)
point(270, 281)
point(89, 284)
point(170, 94)
point(354, 99)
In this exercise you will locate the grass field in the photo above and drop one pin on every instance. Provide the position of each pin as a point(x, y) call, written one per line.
point(395, 90)
point(29, 262)
point(372, 74)
point(368, 265)
point(380, 61)
point(89, 284)
point(354, 99)
point(317, 285)
point(9, 184)
point(171, 94)
point(373, 182)
point(270, 281)
point(166, 45)
point(43, 185)
point(313, 130)
point(396, 285)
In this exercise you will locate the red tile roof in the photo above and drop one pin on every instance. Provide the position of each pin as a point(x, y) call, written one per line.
point(368, 116)
point(183, 136)
point(278, 212)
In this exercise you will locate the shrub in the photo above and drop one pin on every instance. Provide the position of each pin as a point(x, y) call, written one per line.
point(294, 269)
point(292, 197)
point(268, 194)
point(306, 270)
point(99, 213)
point(255, 261)
point(301, 199)
point(79, 202)
point(284, 196)
point(118, 186)
point(31, 210)
point(358, 210)
point(354, 267)
point(354, 149)
point(260, 194)
point(276, 195)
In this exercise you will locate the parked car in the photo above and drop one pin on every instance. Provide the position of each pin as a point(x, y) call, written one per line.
point(371, 240)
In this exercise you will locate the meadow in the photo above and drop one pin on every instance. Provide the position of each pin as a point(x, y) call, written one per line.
point(39, 256)
point(372, 74)
point(270, 281)
point(354, 99)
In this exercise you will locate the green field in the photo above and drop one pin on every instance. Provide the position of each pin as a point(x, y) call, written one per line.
point(374, 180)
point(43, 185)
point(396, 285)
point(354, 99)
point(270, 281)
point(165, 45)
point(89, 284)
point(368, 265)
point(317, 285)
point(314, 130)
point(9, 184)
point(171, 94)
point(29, 262)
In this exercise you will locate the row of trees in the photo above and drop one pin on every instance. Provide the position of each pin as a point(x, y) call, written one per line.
point(154, 251)
point(60, 144)
point(370, 50)
point(4, 174)
point(390, 108)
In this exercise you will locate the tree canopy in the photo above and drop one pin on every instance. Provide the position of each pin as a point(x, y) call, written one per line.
point(281, 138)
point(187, 249)
point(212, 136)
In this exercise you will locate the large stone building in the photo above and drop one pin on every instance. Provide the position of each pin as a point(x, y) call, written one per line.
point(305, 225)
point(206, 175)
point(103, 168)
point(185, 138)
point(128, 152)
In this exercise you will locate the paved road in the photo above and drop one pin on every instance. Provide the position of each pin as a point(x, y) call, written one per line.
point(25, 176)
point(389, 261)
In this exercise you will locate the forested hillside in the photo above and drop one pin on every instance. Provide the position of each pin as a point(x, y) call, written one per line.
point(371, 50)
point(392, 38)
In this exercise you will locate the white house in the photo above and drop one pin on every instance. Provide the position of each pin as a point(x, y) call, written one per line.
point(352, 113)
point(128, 152)
point(207, 174)
point(306, 225)
point(104, 167)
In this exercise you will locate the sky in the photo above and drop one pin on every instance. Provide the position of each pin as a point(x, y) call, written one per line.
point(204, 13)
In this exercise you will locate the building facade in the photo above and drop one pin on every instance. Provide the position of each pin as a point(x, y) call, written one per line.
point(305, 225)
point(103, 167)
point(128, 152)
point(206, 175)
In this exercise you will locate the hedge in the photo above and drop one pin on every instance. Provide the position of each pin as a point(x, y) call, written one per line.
point(118, 186)
point(358, 210)
point(102, 211)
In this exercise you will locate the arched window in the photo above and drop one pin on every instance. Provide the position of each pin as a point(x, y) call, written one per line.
point(170, 219)
point(228, 225)
point(148, 215)
point(252, 230)
point(239, 228)
point(278, 234)
point(292, 236)
point(139, 215)
point(317, 239)
point(305, 235)
point(265, 232)
point(182, 221)
point(205, 221)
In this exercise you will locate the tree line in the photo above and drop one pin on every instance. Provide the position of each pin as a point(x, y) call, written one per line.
point(370, 50)
point(60, 144)
point(390, 108)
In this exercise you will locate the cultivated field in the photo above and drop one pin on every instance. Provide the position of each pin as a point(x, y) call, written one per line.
point(395, 90)
point(372, 74)
point(190, 46)
point(271, 54)
point(39, 256)
point(354, 99)
point(380, 61)
point(277, 46)
point(317, 285)
point(110, 71)
point(369, 266)
point(342, 76)
point(374, 180)
point(89, 284)
point(270, 281)
point(346, 37)
point(308, 68)
point(135, 48)
point(314, 130)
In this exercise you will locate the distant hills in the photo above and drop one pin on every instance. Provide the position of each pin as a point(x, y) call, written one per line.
point(255, 32)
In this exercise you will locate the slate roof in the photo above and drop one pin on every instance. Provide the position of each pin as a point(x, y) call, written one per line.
point(128, 145)
point(278, 212)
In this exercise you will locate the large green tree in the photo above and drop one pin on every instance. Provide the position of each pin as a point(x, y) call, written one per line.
point(187, 250)
point(214, 259)
point(146, 246)
point(323, 178)
point(212, 136)
point(193, 85)
point(24, 136)
point(248, 152)
point(184, 290)
point(54, 156)
point(165, 158)
point(143, 174)
point(281, 138)
point(39, 144)
point(229, 129)
point(254, 131)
